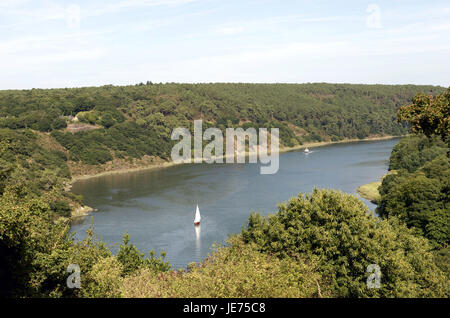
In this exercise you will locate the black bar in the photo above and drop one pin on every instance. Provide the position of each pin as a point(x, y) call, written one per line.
point(228, 307)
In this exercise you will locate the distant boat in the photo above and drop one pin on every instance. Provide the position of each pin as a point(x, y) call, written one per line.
point(197, 217)
point(307, 150)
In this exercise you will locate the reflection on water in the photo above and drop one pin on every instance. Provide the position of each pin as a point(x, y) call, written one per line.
point(78, 220)
point(372, 163)
point(198, 241)
point(157, 207)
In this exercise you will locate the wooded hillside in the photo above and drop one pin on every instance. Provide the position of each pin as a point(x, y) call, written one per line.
point(133, 121)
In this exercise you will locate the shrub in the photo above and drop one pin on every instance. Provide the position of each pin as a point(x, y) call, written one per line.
point(337, 230)
point(61, 207)
point(235, 271)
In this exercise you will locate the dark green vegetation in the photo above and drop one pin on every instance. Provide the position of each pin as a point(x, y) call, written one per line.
point(318, 245)
point(419, 193)
point(137, 120)
point(335, 231)
point(30, 168)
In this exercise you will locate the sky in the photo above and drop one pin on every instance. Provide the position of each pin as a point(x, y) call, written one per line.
point(49, 44)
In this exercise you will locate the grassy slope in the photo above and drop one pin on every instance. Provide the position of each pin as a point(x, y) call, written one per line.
point(370, 191)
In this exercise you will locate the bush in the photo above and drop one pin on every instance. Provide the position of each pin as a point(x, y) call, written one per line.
point(337, 231)
point(132, 260)
point(104, 279)
point(61, 207)
point(235, 271)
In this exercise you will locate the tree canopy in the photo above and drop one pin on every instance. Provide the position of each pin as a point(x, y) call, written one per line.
point(429, 115)
point(336, 231)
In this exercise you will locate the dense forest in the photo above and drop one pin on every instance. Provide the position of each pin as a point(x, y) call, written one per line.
point(133, 121)
point(419, 192)
point(316, 245)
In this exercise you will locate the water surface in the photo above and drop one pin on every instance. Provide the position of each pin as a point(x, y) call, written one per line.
point(157, 207)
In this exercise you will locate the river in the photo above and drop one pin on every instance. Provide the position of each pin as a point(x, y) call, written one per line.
point(157, 207)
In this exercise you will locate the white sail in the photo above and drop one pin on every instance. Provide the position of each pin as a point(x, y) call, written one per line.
point(197, 216)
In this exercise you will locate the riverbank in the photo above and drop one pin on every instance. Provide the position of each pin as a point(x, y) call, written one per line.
point(81, 211)
point(370, 190)
point(327, 143)
point(160, 164)
point(157, 165)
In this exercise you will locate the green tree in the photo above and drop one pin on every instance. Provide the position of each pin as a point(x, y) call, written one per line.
point(32, 247)
point(132, 260)
point(419, 196)
point(337, 231)
point(107, 120)
point(429, 115)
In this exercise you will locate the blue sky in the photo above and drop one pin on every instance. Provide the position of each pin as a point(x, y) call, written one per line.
point(89, 43)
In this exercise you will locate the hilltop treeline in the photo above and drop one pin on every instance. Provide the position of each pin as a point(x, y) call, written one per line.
point(133, 121)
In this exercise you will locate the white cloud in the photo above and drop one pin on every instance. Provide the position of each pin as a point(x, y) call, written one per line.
point(44, 61)
point(118, 6)
point(67, 56)
point(230, 30)
point(12, 3)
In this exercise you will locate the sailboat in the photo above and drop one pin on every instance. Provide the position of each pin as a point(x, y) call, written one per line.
point(307, 150)
point(197, 217)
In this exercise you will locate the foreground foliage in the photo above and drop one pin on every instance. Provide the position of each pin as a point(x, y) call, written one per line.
point(235, 271)
point(336, 230)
